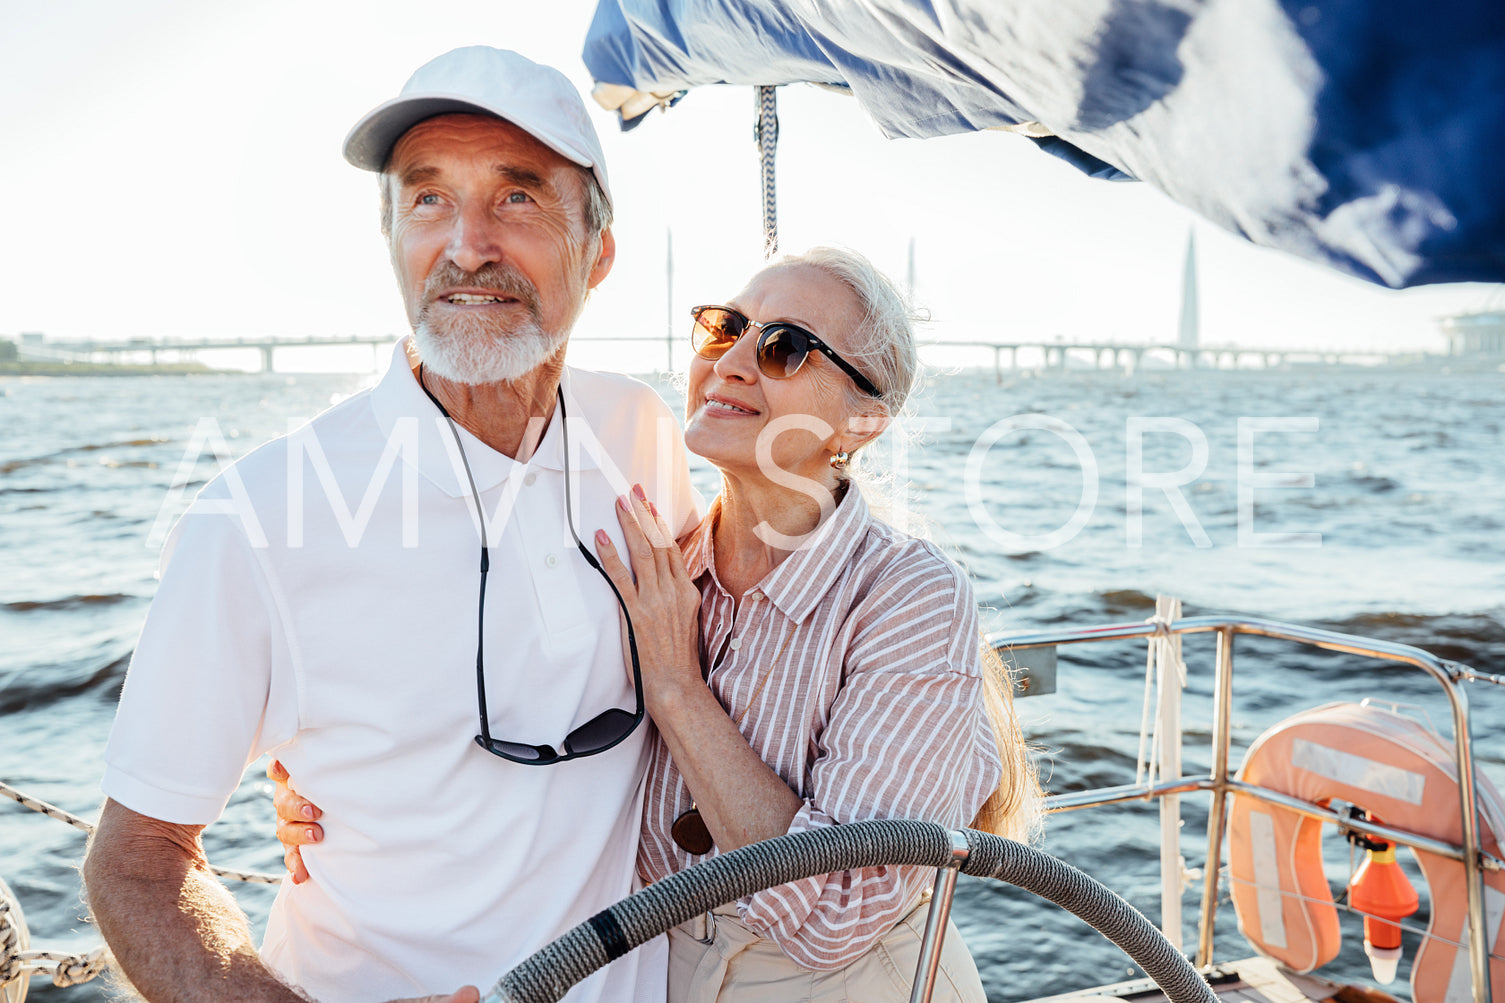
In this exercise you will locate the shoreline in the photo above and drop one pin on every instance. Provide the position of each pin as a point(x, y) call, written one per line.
point(1455, 367)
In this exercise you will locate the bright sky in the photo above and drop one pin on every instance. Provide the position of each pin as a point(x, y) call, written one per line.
point(172, 169)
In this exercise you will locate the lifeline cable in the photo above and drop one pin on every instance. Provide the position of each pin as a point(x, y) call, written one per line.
point(84, 825)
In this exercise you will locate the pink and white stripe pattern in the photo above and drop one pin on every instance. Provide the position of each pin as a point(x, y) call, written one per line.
point(873, 709)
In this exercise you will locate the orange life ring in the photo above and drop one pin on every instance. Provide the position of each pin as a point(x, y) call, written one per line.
point(1403, 775)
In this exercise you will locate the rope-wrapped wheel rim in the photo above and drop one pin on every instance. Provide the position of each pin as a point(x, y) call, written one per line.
point(550, 972)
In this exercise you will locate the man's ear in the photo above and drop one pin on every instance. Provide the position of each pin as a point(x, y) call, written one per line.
point(604, 260)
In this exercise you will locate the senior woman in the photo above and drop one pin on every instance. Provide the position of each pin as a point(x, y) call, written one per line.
point(806, 664)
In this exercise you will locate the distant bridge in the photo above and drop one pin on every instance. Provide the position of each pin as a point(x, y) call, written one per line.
point(1031, 354)
point(116, 351)
point(1130, 357)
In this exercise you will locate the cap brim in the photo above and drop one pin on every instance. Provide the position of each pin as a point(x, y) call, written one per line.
point(370, 143)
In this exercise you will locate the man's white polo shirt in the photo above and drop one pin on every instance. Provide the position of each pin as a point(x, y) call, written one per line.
point(318, 601)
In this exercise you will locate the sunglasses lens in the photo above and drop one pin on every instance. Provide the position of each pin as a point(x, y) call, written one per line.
point(716, 331)
point(781, 352)
point(518, 751)
point(600, 732)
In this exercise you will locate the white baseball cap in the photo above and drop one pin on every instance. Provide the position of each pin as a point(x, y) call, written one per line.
point(537, 99)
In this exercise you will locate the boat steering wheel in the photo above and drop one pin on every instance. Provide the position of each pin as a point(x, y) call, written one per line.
point(549, 973)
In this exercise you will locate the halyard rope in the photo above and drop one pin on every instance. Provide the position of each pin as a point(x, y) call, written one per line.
point(766, 133)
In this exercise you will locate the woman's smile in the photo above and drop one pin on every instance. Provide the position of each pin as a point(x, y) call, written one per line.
point(722, 406)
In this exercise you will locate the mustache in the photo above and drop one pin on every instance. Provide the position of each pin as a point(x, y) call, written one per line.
point(495, 276)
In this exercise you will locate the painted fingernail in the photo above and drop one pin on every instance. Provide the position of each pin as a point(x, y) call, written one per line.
point(624, 503)
point(308, 812)
point(309, 832)
point(637, 489)
point(602, 540)
point(654, 509)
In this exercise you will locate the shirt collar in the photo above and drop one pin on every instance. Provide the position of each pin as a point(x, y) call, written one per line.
point(798, 583)
point(698, 549)
point(398, 399)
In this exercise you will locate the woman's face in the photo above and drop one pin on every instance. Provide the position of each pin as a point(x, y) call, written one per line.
point(733, 412)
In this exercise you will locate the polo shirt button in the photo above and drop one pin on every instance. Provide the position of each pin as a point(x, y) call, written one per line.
point(528, 482)
point(551, 561)
point(755, 595)
point(736, 643)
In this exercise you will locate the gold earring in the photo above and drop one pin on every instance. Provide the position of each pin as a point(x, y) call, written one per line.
point(840, 459)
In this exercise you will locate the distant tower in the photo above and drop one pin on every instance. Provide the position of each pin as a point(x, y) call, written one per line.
point(1189, 334)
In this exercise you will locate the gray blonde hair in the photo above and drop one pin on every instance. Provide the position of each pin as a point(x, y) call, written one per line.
point(883, 349)
point(883, 346)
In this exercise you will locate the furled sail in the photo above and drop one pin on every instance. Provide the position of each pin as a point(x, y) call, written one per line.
point(1366, 134)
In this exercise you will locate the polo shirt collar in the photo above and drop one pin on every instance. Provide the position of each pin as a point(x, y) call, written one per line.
point(398, 396)
point(797, 584)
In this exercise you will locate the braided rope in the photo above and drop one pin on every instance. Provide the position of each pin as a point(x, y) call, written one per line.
point(50, 810)
point(66, 969)
point(548, 974)
point(766, 133)
point(53, 811)
point(13, 937)
point(250, 877)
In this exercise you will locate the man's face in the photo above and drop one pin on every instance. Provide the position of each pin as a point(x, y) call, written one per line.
point(490, 246)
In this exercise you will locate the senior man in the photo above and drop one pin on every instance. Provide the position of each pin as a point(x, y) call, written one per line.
point(443, 668)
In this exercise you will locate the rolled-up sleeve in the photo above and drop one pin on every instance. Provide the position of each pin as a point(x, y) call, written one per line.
point(907, 737)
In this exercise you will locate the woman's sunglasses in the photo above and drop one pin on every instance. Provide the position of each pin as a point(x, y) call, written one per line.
point(782, 347)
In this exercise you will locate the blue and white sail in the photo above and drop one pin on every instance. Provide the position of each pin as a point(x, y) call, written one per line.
point(1366, 134)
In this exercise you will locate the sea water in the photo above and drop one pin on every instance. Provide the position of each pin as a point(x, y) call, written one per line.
point(1369, 501)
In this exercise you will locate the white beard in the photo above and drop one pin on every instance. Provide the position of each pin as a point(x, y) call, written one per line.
point(469, 350)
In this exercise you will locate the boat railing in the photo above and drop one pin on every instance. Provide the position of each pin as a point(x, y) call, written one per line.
point(1220, 782)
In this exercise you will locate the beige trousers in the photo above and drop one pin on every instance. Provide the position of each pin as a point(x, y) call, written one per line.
point(739, 966)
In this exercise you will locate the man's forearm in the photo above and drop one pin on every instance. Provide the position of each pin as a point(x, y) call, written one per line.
point(175, 931)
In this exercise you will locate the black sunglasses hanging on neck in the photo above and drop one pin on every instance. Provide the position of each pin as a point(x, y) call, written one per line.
point(605, 730)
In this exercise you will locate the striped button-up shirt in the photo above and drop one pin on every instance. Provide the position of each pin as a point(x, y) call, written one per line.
point(853, 670)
